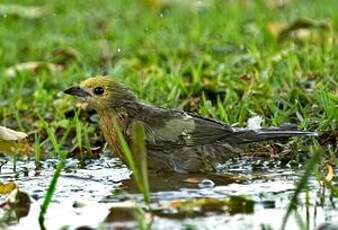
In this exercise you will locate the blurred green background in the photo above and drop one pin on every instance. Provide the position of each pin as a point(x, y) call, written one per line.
point(226, 59)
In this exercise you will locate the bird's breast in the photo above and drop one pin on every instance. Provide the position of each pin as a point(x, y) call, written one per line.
point(109, 133)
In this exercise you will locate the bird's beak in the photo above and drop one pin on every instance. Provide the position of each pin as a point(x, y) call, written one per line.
point(78, 91)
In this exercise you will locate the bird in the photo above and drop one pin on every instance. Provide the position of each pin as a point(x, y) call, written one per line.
point(175, 140)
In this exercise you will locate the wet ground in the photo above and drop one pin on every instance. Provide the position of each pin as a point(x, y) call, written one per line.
point(102, 196)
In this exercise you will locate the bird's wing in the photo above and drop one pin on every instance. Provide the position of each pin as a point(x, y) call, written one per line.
point(165, 128)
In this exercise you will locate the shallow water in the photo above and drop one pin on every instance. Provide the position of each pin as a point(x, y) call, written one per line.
point(101, 195)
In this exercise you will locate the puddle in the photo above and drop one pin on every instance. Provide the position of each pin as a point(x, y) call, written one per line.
point(102, 196)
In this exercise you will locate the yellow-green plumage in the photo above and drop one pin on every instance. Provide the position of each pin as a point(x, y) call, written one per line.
point(175, 140)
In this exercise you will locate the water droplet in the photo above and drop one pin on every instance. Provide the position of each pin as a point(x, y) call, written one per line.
point(118, 50)
point(206, 183)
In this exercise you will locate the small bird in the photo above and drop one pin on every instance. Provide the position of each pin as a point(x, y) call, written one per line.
point(175, 140)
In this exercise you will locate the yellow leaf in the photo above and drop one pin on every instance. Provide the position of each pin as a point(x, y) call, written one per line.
point(302, 29)
point(13, 142)
point(7, 188)
point(275, 28)
point(330, 173)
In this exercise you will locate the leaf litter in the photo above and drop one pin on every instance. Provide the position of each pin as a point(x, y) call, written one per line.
point(302, 29)
point(33, 67)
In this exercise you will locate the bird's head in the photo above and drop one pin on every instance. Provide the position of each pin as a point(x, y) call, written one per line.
point(103, 93)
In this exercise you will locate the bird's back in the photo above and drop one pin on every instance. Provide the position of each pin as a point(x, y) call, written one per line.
point(181, 141)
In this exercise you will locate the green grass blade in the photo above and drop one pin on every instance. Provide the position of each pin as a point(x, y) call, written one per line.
point(52, 186)
point(309, 168)
point(139, 170)
point(140, 156)
point(37, 150)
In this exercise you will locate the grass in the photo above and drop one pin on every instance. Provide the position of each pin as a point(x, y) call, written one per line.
point(37, 151)
point(52, 186)
point(135, 156)
point(220, 61)
point(180, 55)
point(311, 166)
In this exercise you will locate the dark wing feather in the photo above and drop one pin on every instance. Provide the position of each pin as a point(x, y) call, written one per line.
point(166, 128)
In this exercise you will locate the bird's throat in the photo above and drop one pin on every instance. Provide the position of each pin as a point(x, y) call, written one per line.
point(107, 120)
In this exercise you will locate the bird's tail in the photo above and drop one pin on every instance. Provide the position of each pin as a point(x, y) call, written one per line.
point(249, 136)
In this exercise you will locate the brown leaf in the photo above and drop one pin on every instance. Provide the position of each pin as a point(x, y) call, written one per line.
point(17, 203)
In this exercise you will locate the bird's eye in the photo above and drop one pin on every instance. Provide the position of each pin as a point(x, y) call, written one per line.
point(98, 91)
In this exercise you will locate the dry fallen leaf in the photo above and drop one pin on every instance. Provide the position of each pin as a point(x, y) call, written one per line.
point(275, 28)
point(33, 67)
point(6, 188)
point(302, 29)
point(330, 173)
point(30, 12)
point(17, 204)
point(7, 134)
point(13, 142)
